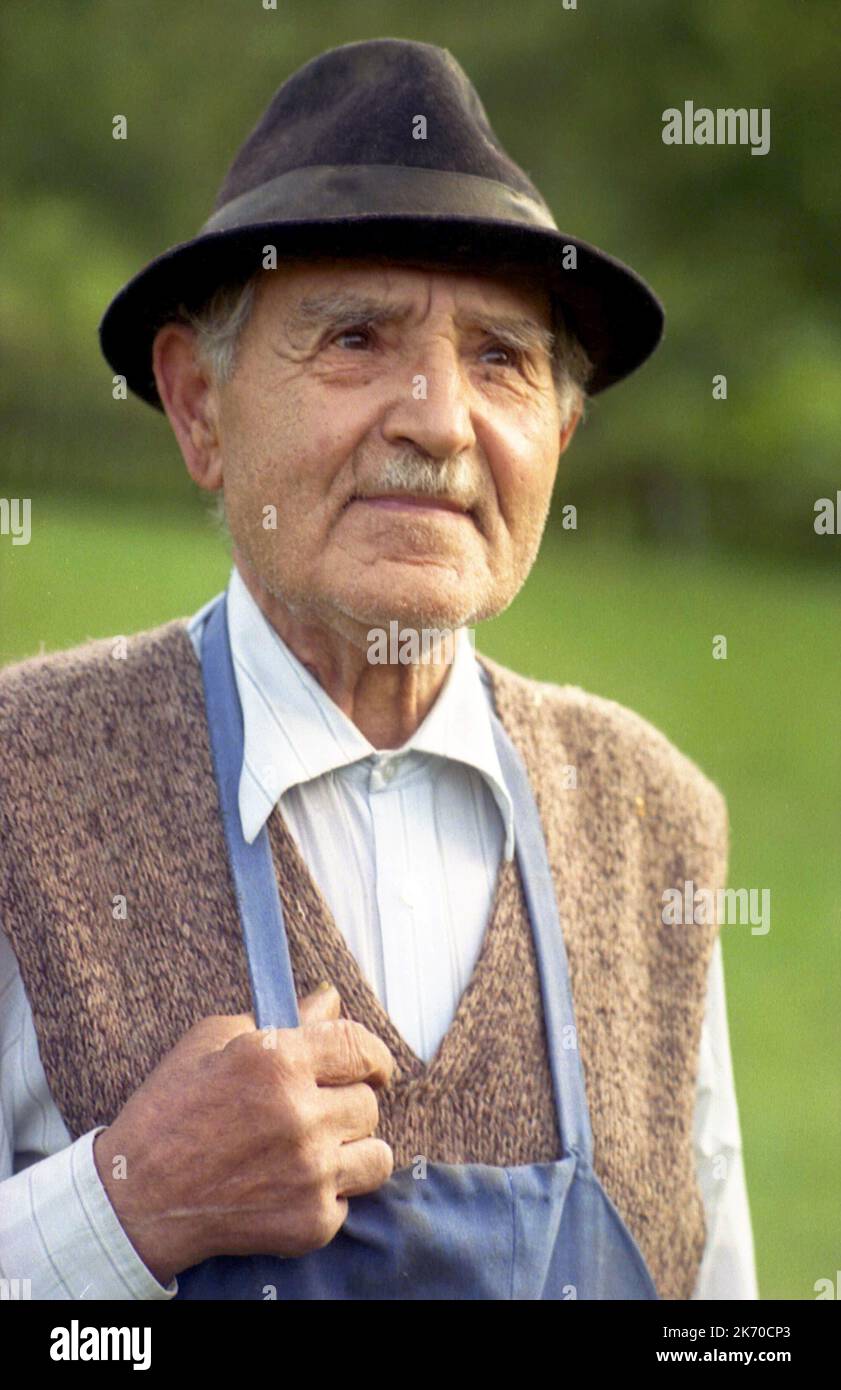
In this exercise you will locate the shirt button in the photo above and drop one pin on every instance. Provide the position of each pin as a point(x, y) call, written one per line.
point(384, 771)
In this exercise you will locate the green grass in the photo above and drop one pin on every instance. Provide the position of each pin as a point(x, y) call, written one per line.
point(637, 626)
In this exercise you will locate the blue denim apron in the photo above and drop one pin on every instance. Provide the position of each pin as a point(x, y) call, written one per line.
point(464, 1231)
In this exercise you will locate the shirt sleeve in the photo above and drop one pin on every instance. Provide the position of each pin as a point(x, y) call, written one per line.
point(58, 1229)
point(728, 1269)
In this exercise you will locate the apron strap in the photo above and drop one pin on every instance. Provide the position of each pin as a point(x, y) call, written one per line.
point(252, 868)
point(261, 911)
point(539, 890)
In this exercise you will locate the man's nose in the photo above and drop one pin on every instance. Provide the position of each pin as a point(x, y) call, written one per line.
point(431, 404)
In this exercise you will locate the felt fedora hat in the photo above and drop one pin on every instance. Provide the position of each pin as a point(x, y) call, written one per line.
point(383, 148)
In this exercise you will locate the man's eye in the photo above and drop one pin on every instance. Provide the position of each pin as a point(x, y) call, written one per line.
point(513, 355)
point(361, 331)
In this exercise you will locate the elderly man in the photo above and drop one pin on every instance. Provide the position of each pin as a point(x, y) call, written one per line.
point(506, 1076)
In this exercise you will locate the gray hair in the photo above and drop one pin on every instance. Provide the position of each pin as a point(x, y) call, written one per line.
point(218, 325)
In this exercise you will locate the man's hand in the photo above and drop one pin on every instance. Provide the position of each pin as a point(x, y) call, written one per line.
point(243, 1142)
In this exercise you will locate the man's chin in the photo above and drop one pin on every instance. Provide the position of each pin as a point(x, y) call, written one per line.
point(409, 620)
point(409, 609)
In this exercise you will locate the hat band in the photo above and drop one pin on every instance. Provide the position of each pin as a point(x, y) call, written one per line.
point(321, 192)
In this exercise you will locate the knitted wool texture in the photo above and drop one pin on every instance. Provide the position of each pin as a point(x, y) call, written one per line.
point(107, 792)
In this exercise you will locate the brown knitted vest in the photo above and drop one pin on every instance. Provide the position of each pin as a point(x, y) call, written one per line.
point(117, 897)
point(492, 1064)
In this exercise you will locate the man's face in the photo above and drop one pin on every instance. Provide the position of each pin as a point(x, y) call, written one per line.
point(408, 447)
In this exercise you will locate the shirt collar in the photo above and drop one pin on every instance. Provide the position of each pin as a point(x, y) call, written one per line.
point(293, 731)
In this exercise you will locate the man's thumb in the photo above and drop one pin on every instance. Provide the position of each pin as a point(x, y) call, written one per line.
point(321, 1006)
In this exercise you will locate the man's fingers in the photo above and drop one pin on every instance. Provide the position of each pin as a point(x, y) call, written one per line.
point(365, 1165)
point(353, 1110)
point(215, 1032)
point(322, 1005)
point(342, 1051)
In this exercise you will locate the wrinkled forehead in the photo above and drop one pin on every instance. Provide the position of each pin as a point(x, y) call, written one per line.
point(496, 287)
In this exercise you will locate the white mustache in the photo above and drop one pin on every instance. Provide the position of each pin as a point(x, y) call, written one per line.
point(408, 473)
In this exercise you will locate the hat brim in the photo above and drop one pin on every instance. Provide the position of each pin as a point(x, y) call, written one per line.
point(614, 313)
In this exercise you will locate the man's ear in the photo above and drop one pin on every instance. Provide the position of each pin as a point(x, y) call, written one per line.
point(189, 398)
point(570, 427)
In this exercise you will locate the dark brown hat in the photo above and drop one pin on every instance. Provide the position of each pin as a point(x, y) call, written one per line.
point(336, 167)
